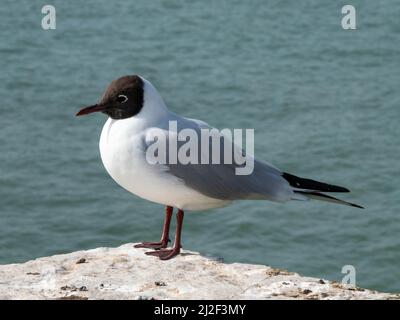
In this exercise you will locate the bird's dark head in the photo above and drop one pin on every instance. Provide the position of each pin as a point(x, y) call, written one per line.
point(122, 99)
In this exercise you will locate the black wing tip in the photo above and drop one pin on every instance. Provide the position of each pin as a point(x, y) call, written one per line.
point(322, 196)
point(340, 189)
point(303, 183)
point(356, 205)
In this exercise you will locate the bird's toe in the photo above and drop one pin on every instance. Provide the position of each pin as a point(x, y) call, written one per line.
point(151, 245)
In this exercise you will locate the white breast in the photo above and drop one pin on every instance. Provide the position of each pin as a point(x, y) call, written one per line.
point(123, 155)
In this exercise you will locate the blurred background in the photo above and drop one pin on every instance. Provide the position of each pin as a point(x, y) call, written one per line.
point(323, 101)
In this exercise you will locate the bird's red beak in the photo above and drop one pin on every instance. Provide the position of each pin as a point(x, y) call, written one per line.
point(91, 109)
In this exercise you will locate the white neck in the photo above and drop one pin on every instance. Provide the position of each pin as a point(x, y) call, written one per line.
point(154, 108)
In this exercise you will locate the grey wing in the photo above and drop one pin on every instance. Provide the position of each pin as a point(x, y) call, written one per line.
point(220, 181)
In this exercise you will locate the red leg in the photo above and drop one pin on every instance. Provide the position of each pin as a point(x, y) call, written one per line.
point(166, 254)
point(163, 243)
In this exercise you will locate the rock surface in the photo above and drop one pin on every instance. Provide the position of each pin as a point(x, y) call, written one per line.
point(127, 273)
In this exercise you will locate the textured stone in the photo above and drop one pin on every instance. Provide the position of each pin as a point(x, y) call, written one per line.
point(127, 273)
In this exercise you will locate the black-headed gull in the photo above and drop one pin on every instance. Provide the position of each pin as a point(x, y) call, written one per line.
point(135, 112)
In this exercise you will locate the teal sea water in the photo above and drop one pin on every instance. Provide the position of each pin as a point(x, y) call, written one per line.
point(324, 103)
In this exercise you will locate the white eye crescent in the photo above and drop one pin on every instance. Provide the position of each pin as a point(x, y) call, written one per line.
point(122, 98)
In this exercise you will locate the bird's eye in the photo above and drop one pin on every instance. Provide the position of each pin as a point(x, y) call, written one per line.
point(122, 98)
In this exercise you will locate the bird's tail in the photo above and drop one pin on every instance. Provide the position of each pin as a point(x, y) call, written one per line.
point(310, 189)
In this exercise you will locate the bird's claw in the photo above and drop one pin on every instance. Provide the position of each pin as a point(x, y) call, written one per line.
point(153, 245)
point(165, 254)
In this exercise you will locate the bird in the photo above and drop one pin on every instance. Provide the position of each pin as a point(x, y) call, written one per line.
point(136, 110)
